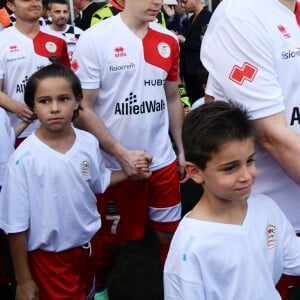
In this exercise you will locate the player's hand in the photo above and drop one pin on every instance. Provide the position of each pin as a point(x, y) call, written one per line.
point(128, 162)
point(183, 177)
point(27, 291)
point(143, 168)
point(24, 112)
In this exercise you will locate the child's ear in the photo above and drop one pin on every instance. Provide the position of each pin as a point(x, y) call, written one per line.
point(194, 172)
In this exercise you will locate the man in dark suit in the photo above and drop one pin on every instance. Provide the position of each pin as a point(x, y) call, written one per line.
point(85, 10)
point(190, 46)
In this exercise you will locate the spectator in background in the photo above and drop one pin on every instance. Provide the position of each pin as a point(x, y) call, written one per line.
point(59, 12)
point(85, 10)
point(113, 7)
point(252, 57)
point(168, 10)
point(190, 46)
point(202, 81)
point(24, 49)
point(180, 21)
point(43, 20)
point(4, 15)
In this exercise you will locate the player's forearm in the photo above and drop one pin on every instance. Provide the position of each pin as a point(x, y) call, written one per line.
point(117, 177)
point(7, 103)
point(176, 116)
point(281, 143)
point(88, 120)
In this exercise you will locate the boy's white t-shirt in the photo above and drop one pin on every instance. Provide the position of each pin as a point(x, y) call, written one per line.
point(217, 261)
point(52, 195)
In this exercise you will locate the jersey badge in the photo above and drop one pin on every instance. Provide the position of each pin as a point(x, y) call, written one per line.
point(240, 74)
point(74, 65)
point(282, 30)
point(270, 236)
point(164, 50)
point(51, 47)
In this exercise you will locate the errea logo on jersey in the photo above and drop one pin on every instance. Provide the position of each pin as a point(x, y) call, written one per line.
point(245, 72)
point(120, 52)
point(283, 31)
point(13, 48)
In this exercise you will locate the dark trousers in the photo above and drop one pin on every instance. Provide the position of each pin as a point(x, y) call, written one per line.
point(193, 88)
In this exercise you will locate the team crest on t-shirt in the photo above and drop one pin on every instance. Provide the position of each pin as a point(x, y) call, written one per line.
point(51, 47)
point(270, 236)
point(84, 169)
point(164, 50)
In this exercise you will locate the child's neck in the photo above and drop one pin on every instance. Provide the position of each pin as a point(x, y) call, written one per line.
point(219, 212)
point(60, 142)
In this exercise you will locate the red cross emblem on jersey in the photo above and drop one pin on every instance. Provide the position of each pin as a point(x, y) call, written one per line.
point(74, 65)
point(240, 74)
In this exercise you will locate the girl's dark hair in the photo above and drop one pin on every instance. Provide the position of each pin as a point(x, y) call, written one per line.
point(210, 126)
point(52, 70)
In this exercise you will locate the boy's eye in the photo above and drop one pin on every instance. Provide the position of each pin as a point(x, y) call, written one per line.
point(44, 101)
point(64, 98)
point(228, 168)
point(250, 161)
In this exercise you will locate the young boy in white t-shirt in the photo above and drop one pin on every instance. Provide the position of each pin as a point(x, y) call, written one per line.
point(233, 244)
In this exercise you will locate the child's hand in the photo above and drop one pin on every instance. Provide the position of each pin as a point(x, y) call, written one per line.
point(27, 291)
point(143, 168)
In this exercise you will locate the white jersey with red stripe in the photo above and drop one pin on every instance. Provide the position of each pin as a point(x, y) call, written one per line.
point(52, 195)
point(71, 35)
point(20, 57)
point(251, 50)
point(130, 73)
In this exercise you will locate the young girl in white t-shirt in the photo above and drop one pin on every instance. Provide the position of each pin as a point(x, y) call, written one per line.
point(48, 204)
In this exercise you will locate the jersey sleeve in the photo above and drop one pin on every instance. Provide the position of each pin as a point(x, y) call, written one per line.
point(240, 60)
point(85, 62)
point(51, 46)
point(174, 71)
point(14, 202)
point(64, 57)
